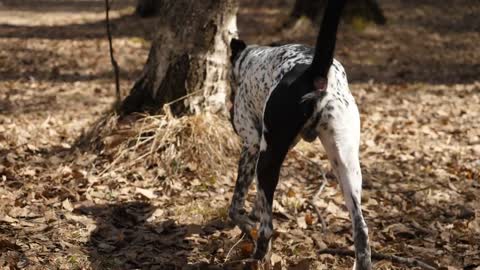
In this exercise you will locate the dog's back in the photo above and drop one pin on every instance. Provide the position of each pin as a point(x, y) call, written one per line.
point(259, 70)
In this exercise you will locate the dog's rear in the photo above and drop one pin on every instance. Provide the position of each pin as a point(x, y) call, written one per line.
point(283, 93)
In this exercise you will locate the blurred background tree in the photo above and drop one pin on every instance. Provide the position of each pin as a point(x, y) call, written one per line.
point(146, 8)
point(356, 10)
point(366, 10)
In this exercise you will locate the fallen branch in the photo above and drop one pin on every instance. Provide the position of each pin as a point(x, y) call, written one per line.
point(112, 58)
point(410, 262)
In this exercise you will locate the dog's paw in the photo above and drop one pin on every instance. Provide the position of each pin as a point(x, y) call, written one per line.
point(262, 249)
point(243, 221)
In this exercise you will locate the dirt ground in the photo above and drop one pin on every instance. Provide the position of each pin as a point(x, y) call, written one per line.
point(78, 190)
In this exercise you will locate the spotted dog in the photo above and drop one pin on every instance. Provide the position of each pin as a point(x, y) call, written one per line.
point(281, 94)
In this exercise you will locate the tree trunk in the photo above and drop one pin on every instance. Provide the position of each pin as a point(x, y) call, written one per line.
point(146, 8)
point(309, 8)
point(188, 59)
point(368, 10)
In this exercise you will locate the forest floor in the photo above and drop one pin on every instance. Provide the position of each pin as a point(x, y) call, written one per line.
point(81, 189)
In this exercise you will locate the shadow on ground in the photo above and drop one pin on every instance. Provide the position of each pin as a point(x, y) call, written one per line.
point(124, 26)
point(63, 5)
point(127, 238)
point(11, 254)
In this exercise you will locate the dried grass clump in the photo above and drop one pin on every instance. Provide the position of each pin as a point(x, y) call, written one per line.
point(194, 146)
point(93, 139)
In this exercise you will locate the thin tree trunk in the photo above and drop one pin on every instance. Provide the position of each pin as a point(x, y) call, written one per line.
point(188, 57)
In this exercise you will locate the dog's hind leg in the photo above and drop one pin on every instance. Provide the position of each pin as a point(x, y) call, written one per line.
point(246, 174)
point(281, 129)
point(339, 131)
point(270, 160)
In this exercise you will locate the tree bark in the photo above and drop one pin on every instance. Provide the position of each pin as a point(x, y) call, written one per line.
point(369, 10)
point(147, 8)
point(188, 57)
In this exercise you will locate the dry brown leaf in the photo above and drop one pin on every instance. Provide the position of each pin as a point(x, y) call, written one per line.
point(9, 219)
point(291, 193)
point(6, 244)
point(254, 233)
point(301, 222)
point(276, 261)
point(147, 193)
point(246, 248)
point(67, 205)
point(309, 219)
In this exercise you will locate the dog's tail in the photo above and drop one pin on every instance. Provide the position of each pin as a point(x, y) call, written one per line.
point(326, 40)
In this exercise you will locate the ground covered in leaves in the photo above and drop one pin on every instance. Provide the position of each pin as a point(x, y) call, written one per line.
point(81, 189)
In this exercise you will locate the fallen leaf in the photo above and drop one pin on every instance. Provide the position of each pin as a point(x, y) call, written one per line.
point(6, 245)
point(301, 222)
point(308, 219)
point(246, 248)
point(67, 205)
point(254, 233)
point(9, 219)
point(276, 261)
point(147, 193)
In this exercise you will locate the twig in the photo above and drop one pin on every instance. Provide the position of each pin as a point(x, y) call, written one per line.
point(320, 190)
point(319, 214)
point(315, 208)
point(112, 58)
point(248, 260)
point(411, 262)
point(236, 244)
point(182, 98)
